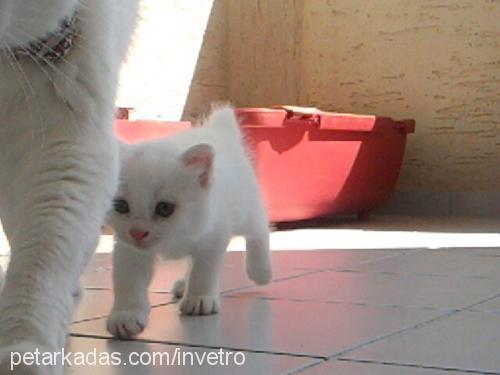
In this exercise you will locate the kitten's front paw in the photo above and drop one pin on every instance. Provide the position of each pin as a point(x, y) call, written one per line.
point(179, 289)
point(126, 324)
point(200, 305)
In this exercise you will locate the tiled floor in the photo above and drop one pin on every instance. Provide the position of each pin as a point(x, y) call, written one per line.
point(344, 311)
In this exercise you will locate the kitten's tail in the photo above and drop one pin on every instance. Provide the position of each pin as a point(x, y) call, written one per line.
point(224, 121)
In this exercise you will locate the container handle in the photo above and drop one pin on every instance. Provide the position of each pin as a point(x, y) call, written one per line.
point(292, 110)
point(407, 125)
point(310, 114)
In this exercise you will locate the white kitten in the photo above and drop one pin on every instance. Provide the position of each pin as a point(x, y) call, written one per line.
point(185, 196)
point(59, 64)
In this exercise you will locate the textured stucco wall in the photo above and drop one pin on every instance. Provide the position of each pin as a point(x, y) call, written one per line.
point(437, 61)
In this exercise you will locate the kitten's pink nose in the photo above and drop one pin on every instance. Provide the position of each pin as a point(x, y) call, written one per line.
point(138, 234)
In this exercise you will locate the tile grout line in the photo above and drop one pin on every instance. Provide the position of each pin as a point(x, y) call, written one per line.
point(410, 365)
point(305, 367)
point(323, 359)
point(393, 365)
point(349, 303)
point(413, 327)
point(304, 272)
point(314, 271)
point(175, 343)
point(319, 357)
point(412, 274)
point(98, 317)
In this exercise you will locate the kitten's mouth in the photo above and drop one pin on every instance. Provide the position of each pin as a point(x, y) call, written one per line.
point(142, 245)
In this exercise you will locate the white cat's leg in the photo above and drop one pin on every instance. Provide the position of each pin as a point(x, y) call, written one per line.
point(201, 296)
point(78, 290)
point(179, 289)
point(2, 277)
point(258, 255)
point(132, 274)
point(57, 207)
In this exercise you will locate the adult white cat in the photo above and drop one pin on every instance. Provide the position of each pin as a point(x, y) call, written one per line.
point(59, 63)
point(184, 196)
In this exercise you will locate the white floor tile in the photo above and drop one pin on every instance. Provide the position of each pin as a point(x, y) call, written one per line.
point(97, 303)
point(174, 364)
point(492, 306)
point(451, 262)
point(383, 289)
point(466, 341)
point(356, 368)
point(275, 326)
point(99, 273)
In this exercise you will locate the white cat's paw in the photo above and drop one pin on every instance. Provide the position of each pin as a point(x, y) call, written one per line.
point(199, 305)
point(260, 272)
point(11, 361)
point(126, 324)
point(179, 289)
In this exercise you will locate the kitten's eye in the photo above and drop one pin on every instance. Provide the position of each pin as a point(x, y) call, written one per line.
point(164, 209)
point(121, 206)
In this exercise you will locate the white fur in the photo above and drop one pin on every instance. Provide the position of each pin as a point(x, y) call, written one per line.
point(58, 163)
point(2, 277)
point(201, 227)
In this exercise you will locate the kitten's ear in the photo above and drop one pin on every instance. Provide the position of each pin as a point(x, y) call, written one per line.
point(200, 157)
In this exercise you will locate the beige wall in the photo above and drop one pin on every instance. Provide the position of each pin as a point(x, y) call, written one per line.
point(437, 61)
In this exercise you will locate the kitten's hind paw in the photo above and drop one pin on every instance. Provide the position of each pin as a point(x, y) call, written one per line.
point(260, 276)
point(259, 270)
point(126, 324)
point(258, 262)
point(178, 289)
point(200, 305)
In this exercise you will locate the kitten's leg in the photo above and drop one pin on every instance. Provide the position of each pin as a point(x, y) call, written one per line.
point(61, 196)
point(201, 296)
point(132, 274)
point(258, 255)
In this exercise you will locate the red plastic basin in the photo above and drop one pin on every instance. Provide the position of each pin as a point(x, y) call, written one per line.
point(315, 164)
point(145, 130)
point(311, 164)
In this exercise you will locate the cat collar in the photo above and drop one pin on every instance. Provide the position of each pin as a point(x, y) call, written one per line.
point(53, 47)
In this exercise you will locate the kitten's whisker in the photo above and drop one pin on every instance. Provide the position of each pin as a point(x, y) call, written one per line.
point(81, 4)
point(50, 65)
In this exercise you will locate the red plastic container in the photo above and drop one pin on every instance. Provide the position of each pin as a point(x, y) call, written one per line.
point(144, 130)
point(314, 164)
point(311, 164)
